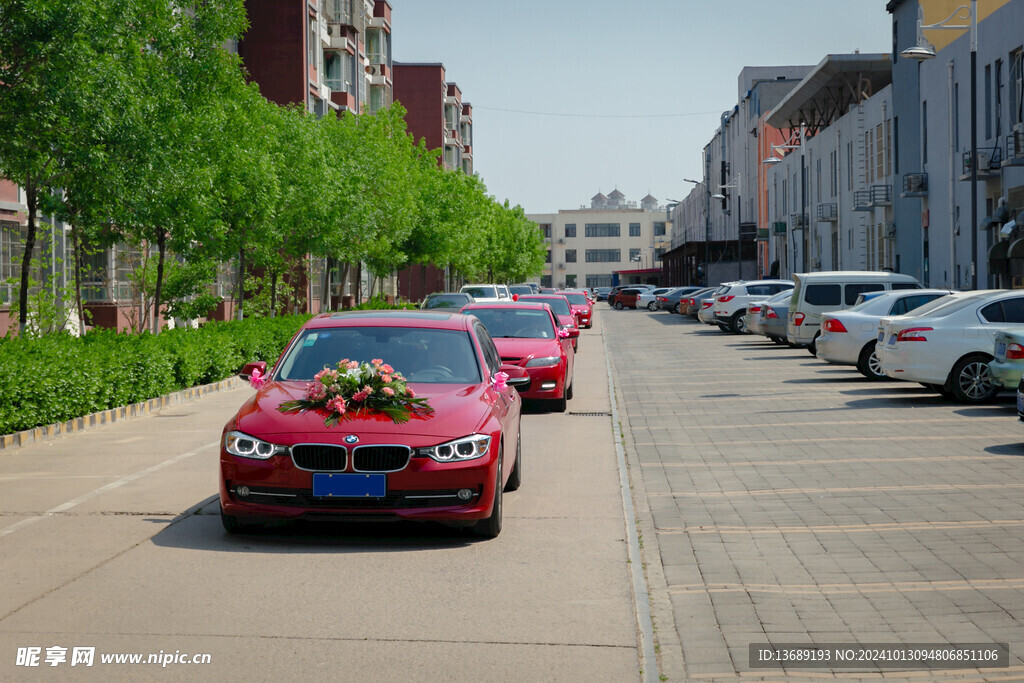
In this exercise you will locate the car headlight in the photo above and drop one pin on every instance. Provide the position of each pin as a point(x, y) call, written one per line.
point(543, 362)
point(245, 446)
point(466, 448)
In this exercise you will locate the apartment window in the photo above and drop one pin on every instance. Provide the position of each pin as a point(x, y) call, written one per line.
point(376, 48)
point(659, 229)
point(1016, 85)
point(634, 229)
point(570, 229)
point(817, 178)
point(378, 94)
point(601, 230)
point(570, 256)
point(11, 251)
point(545, 280)
point(333, 76)
point(314, 42)
point(348, 66)
point(634, 254)
point(888, 147)
point(570, 280)
point(548, 258)
point(998, 97)
point(869, 156)
point(604, 255)
point(451, 116)
point(880, 152)
point(599, 281)
point(833, 163)
point(658, 252)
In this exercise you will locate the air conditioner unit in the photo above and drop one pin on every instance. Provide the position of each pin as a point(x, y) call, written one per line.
point(561, 266)
point(561, 241)
point(373, 70)
point(890, 229)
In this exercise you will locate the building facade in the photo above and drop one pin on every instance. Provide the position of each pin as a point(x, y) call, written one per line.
point(589, 246)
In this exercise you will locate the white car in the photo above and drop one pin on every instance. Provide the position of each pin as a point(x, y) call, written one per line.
point(848, 336)
point(731, 304)
point(488, 293)
point(706, 314)
point(948, 344)
point(649, 299)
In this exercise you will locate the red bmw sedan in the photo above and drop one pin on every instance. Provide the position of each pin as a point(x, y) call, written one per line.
point(582, 307)
point(429, 432)
point(563, 313)
point(528, 336)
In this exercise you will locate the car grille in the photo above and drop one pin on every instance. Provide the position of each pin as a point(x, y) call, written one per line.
point(394, 499)
point(380, 458)
point(319, 457)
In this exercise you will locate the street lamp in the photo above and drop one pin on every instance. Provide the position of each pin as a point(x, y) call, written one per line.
point(924, 51)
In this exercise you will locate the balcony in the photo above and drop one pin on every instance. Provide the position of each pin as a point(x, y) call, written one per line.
point(915, 185)
point(862, 200)
point(798, 221)
point(1014, 149)
point(881, 195)
point(379, 74)
point(828, 212)
point(763, 233)
point(989, 163)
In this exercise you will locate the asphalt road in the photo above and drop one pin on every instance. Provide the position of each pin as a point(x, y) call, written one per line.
point(110, 539)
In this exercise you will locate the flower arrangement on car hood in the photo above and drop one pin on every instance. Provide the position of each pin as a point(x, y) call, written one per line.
point(353, 388)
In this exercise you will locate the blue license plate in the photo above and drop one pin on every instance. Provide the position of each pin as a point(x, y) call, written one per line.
point(327, 485)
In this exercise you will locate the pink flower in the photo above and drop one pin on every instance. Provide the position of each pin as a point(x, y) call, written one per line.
point(412, 394)
point(336, 405)
point(352, 365)
point(387, 368)
point(368, 389)
point(563, 334)
point(386, 379)
point(388, 391)
point(316, 392)
point(256, 379)
point(360, 396)
point(376, 361)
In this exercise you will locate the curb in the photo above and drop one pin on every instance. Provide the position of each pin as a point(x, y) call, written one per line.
point(105, 417)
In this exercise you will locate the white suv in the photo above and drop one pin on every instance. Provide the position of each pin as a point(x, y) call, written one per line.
point(487, 293)
point(730, 305)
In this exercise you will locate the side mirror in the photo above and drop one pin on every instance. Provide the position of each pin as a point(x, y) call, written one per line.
point(246, 372)
point(517, 376)
point(573, 331)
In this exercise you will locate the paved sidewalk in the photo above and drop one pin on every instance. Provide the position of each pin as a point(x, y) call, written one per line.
point(795, 502)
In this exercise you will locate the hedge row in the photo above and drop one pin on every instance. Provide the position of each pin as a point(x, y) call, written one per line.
point(60, 377)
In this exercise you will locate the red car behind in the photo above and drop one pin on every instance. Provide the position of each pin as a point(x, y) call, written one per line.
point(582, 307)
point(563, 313)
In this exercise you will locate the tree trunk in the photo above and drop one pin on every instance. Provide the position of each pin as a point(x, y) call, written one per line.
point(31, 202)
point(241, 283)
point(325, 293)
point(76, 243)
point(359, 284)
point(273, 293)
point(161, 250)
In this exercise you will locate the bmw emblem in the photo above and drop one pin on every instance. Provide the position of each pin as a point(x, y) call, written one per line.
point(351, 439)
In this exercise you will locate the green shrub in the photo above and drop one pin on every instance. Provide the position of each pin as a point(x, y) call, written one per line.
point(60, 377)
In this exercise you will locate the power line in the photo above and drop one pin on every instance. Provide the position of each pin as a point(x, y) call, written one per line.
point(598, 116)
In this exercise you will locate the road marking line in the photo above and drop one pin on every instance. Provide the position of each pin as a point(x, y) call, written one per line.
point(850, 489)
point(825, 461)
point(852, 588)
point(127, 479)
point(842, 528)
point(777, 440)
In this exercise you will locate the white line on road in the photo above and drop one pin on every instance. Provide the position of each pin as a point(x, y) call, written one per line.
point(127, 479)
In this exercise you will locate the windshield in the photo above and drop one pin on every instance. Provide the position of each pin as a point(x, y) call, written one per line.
point(880, 302)
point(480, 292)
point(520, 289)
point(508, 322)
point(411, 351)
point(447, 301)
point(558, 304)
point(577, 299)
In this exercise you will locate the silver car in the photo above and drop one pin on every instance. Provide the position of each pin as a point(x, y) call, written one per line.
point(848, 336)
point(770, 318)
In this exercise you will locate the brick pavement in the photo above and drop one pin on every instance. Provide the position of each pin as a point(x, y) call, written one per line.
point(793, 501)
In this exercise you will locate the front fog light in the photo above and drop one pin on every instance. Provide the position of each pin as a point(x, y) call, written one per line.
point(465, 494)
point(242, 491)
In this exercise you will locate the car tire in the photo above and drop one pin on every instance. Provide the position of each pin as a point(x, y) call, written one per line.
point(868, 363)
point(812, 348)
point(559, 405)
point(651, 307)
point(970, 381)
point(780, 341)
point(236, 525)
point(675, 309)
point(515, 479)
point(569, 391)
point(737, 325)
point(619, 306)
point(490, 527)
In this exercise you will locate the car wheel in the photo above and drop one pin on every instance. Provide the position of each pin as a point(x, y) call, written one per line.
point(780, 341)
point(737, 324)
point(970, 381)
point(813, 347)
point(618, 306)
point(491, 526)
point(568, 392)
point(236, 525)
point(515, 479)
point(559, 405)
point(868, 363)
point(651, 306)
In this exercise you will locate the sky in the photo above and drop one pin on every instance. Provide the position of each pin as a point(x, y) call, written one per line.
point(573, 97)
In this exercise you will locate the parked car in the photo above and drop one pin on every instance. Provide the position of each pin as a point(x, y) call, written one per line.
point(669, 301)
point(449, 466)
point(528, 335)
point(817, 293)
point(454, 300)
point(601, 293)
point(487, 293)
point(771, 317)
point(521, 289)
point(618, 288)
point(563, 313)
point(693, 303)
point(649, 299)
point(848, 337)
point(582, 307)
point(731, 303)
point(948, 343)
point(625, 298)
point(1007, 366)
point(706, 314)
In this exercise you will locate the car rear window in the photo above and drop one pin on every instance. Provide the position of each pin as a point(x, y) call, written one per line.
point(481, 292)
point(509, 321)
point(558, 304)
point(823, 295)
point(1005, 311)
point(909, 303)
point(905, 285)
point(577, 299)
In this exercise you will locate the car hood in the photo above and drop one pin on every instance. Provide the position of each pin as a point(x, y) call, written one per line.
point(516, 347)
point(459, 409)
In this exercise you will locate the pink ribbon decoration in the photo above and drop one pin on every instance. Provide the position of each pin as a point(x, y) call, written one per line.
point(562, 334)
point(256, 379)
point(500, 379)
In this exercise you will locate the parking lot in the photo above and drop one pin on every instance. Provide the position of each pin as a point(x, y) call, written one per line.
point(784, 500)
